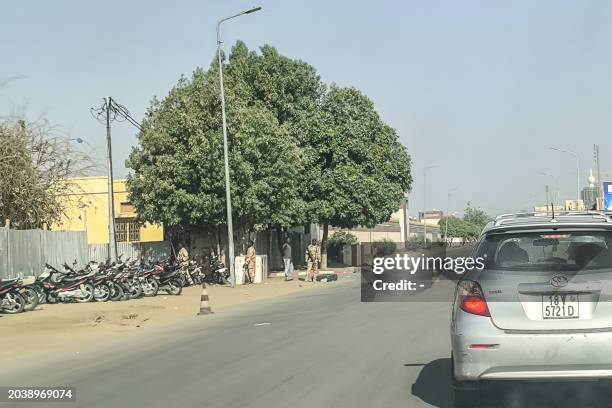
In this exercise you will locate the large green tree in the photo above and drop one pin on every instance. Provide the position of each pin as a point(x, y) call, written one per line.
point(358, 171)
point(178, 173)
point(298, 152)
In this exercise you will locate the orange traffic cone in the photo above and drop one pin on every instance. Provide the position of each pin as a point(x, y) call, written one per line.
point(204, 304)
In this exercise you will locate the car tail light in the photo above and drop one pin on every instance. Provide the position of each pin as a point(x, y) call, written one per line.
point(471, 298)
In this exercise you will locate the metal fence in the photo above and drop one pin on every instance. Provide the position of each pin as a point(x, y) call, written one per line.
point(149, 250)
point(25, 252)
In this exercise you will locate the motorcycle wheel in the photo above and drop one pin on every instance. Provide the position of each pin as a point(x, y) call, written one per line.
point(51, 299)
point(174, 287)
point(42, 297)
point(17, 303)
point(116, 292)
point(135, 290)
point(221, 279)
point(88, 295)
point(102, 293)
point(31, 297)
point(150, 287)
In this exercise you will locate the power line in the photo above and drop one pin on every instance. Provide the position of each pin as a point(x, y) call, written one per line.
point(117, 113)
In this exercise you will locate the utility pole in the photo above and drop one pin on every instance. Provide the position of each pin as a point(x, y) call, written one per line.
point(406, 221)
point(112, 243)
point(600, 192)
point(450, 191)
point(547, 196)
point(425, 201)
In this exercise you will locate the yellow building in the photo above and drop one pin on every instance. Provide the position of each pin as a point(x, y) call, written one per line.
point(86, 209)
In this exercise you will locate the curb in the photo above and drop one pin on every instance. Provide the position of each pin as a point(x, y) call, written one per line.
point(304, 273)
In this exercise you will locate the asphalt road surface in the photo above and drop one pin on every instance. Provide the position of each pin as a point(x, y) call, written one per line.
point(321, 348)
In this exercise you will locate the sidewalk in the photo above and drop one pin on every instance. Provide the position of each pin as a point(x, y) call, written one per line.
point(302, 272)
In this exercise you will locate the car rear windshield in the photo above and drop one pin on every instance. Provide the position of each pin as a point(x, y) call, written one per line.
point(543, 251)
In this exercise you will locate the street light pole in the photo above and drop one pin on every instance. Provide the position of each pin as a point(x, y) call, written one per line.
point(228, 195)
point(425, 201)
point(577, 167)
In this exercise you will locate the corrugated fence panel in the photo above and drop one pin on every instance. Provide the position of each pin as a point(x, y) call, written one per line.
point(25, 253)
point(65, 246)
point(153, 251)
point(98, 252)
point(4, 253)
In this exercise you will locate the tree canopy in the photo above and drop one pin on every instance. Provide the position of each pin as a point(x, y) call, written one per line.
point(476, 216)
point(178, 168)
point(300, 151)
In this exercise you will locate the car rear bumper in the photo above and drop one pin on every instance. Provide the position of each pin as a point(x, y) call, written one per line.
point(558, 356)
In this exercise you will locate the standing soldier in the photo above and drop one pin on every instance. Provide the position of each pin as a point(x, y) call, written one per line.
point(249, 261)
point(183, 260)
point(313, 258)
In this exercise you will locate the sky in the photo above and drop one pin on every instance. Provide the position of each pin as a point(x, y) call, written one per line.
point(480, 89)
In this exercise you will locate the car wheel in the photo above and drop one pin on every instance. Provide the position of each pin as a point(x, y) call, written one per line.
point(467, 393)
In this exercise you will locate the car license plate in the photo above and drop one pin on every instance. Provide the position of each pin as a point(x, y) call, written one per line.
point(560, 306)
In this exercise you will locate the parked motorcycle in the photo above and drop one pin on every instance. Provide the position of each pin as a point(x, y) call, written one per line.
point(218, 273)
point(169, 278)
point(66, 286)
point(11, 296)
point(29, 293)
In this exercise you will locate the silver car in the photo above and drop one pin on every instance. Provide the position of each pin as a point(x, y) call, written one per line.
point(540, 308)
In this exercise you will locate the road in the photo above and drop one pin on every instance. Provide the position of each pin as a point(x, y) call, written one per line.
point(321, 348)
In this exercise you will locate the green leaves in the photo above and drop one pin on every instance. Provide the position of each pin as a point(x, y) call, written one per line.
point(298, 153)
point(357, 165)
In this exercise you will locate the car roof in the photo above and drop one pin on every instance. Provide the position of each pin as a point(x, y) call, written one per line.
point(548, 220)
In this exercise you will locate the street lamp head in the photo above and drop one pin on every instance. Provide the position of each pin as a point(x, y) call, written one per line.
point(253, 10)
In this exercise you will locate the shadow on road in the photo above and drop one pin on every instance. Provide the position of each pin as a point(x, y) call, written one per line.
point(434, 386)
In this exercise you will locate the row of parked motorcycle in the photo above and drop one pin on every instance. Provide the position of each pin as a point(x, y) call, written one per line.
point(104, 281)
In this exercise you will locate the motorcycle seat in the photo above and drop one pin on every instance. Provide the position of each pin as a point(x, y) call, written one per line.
point(8, 282)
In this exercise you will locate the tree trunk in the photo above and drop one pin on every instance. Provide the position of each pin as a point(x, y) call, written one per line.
point(324, 246)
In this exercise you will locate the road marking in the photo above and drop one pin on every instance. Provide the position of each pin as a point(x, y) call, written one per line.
point(262, 324)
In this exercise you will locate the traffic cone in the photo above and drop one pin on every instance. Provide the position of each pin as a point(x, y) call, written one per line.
point(204, 304)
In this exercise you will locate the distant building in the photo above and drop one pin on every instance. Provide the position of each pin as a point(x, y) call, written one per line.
point(431, 217)
point(574, 205)
point(86, 209)
point(548, 209)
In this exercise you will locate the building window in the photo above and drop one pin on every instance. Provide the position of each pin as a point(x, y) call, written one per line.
point(126, 207)
point(126, 230)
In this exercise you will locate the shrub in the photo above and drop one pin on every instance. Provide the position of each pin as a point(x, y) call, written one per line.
point(384, 247)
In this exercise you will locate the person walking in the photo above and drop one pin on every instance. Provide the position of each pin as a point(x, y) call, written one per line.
point(249, 261)
point(183, 261)
point(313, 259)
point(286, 252)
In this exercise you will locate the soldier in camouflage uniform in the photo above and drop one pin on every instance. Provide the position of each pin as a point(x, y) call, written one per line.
point(249, 262)
point(183, 260)
point(313, 260)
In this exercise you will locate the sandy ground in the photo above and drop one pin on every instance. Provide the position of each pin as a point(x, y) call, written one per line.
point(52, 328)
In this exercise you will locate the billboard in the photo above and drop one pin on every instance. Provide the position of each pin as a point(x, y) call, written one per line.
point(607, 198)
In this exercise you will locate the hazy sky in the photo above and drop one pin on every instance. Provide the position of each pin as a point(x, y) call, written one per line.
point(480, 88)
